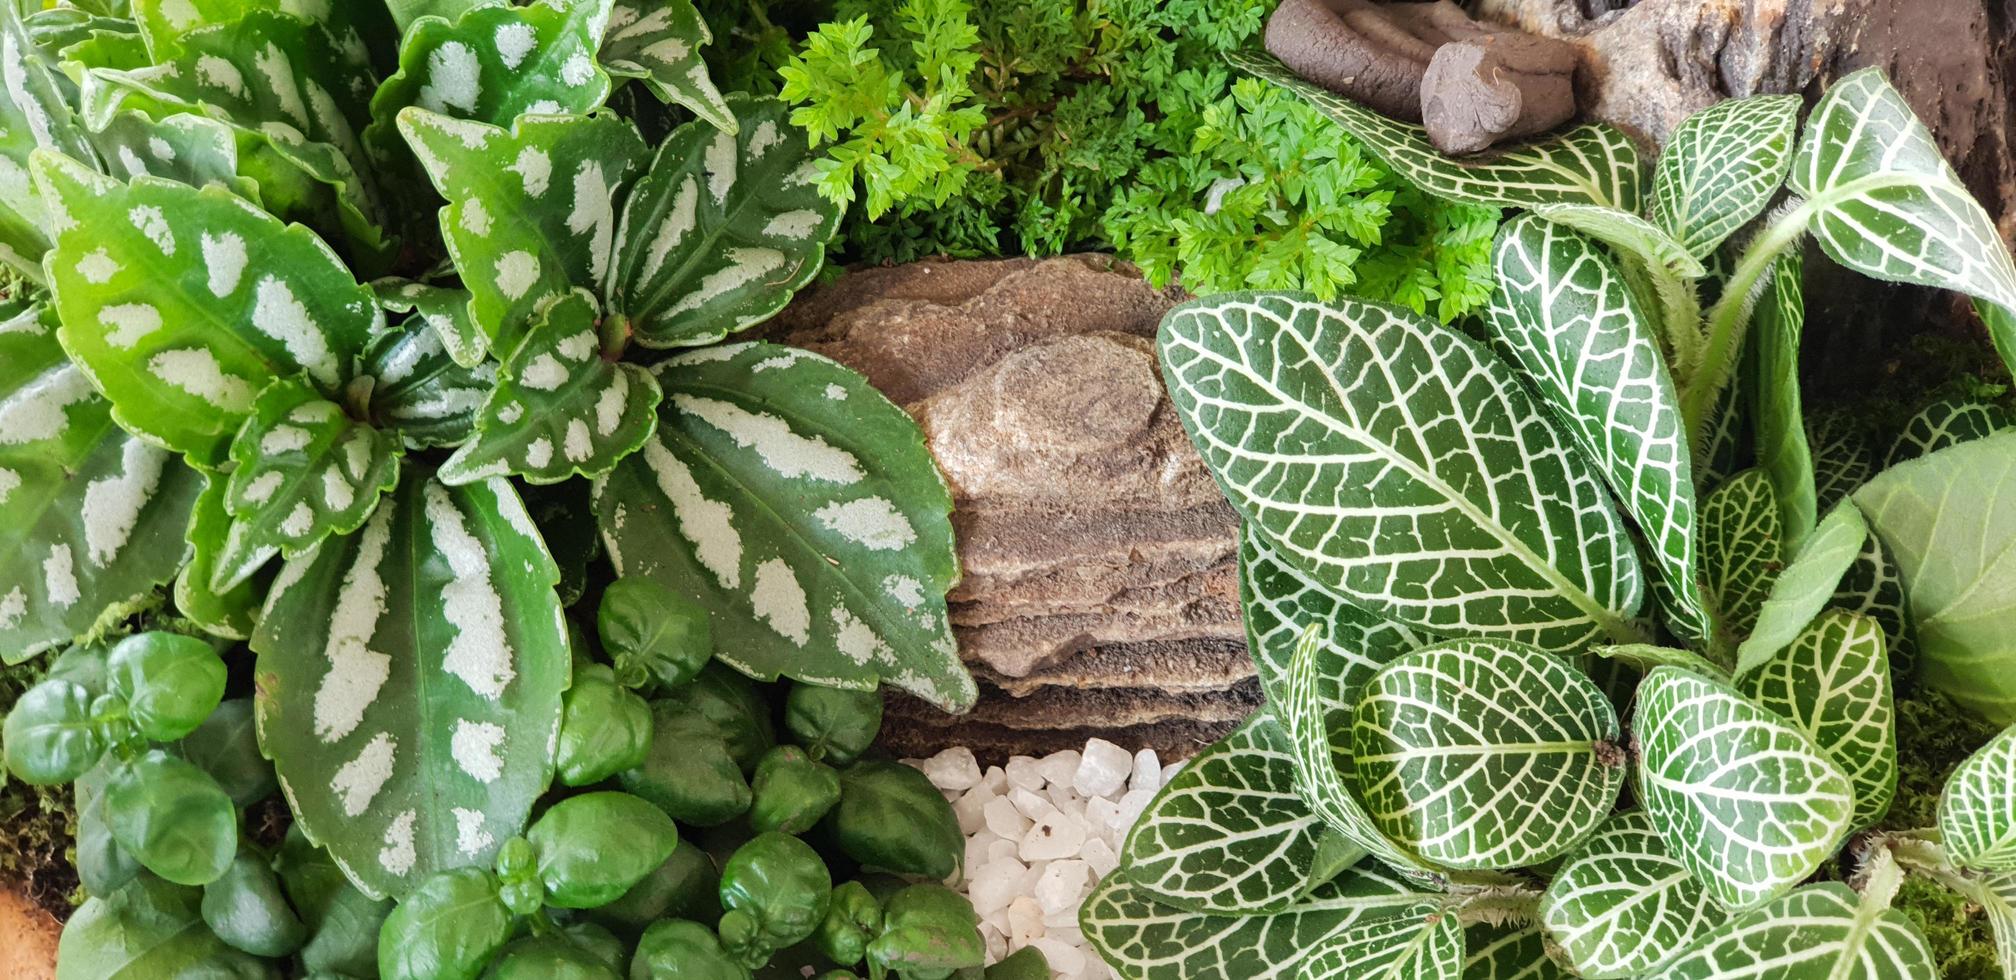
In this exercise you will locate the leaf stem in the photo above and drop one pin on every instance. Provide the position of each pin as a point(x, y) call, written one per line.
point(1731, 314)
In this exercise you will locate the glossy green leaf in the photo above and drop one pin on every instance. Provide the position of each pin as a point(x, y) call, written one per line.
point(172, 817)
point(592, 848)
point(1842, 459)
point(658, 42)
point(1833, 681)
point(409, 681)
point(1741, 549)
point(1948, 422)
point(170, 683)
point(246, 909)
point(1782, 450)
point(226, 746)
point(1977, 808)
point(148, 929)
point(1742, 797)
point(1622, 904)
point(1422, 942)
point(443, 308)
point(652, 633)
point(1280, 603)
point(1632, 236)
point(419, 392)
point(51, 734)
point(103, 867)
point(343, 923)
point(1643, 657)
point(800, 508)
point(1380, 452)
point(497, 61)
point(1721, 167)
point(449, 928)
point(1805, 585)
point(1821, 932)
point(230, 614)
point(1509, 952)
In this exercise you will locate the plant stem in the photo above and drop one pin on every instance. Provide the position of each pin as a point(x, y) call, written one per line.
point(1726, 322)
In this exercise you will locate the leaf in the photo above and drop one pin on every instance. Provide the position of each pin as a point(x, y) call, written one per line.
point(419, 391)
point(800, 508)
point(1380, 452)
point(305, 470)
point(1977, 808)
point(1589, 164)
point(659, 42)
point(561, 408)
point(1482, 755)
point(1949, 421)
point(1958, 565)
point(1874, 588)
point(183, 304)
point(1834, 682)
point(1721, 167)
point(1841, 456)
point(1145, 940)
point(164, 22)
point(497, 61)
point(442, 308)
point(1280, 603)
point(1563, 315)
point(1228, 835)
point(722, 230)
point(531, 210)
point(405, 12)
point(1740, 549)
point(1423, 942)
point(1817, 931)
point(1805, 586)
point(1509, 953)
point(1643, 657)
point(1630, 235)
point(172, 817)
point(92, 518)
point(149, 928)
point(1782, 450)
point(409, 681)
point(1742, 798)
point(232, 613)
point(1622, 904)
point(1884, 202)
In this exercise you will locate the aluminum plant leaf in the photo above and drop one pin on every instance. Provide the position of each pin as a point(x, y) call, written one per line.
point(1778, 413)
point(92, 518)
point(419, 392)
point(1629, 234)
point(1833, 681)
point(531, 210)
point(658, 42)
point(1949, 421)
point(232, 613)
point(305, 470)
point(1885, 203)
point(495, 62)
point(1741, 551)
point(1480, 754)
point(183, 304)
point(1874, 588)
point(1742, 797)
point(446, 309)
point(723, 229)
point(1721, 167)
point(1958, 565)
point(1564, 316)
point(409, 680)
point(1977, 808)
point(1593, 163)
point(1509, 952)
point(1805, 586)
point(39, 89)
point(1143, 939)
point(163, 22)
point(1280, 603)
point(1822, 932)
point(795, 503)
point(1842, 458)
point(1229, 834)
point(1421, 942)
point(1402, 466)
point(1622, 905)
point(561, 407)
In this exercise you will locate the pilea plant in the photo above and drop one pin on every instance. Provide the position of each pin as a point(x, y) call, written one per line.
point(1578, 649)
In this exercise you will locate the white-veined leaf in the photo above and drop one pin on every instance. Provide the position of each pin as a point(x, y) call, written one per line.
point(799, 506)
point(1805, 585)
point(1743, 798)
point(1421, 942)
point(495, 62)
point(1481, 754)
point(1741, 549)
point(1833, 681)
point(1777, 406)
point(445, 309)
point(1281, 603)
point(1629, 234)
point(1822, 932)
point(1948, 421)
point(1977, 808)
point(1402, 466)
point(1721, 167)
point(419, 391)
point(659, 42)
point(1874, 588)
point(1842, 458)
point(1509, 952)
point(1642, 657)
point(1622, 905)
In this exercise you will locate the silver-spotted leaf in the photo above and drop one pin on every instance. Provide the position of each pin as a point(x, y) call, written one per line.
point(1281, 603)
point(164, 22)
point(496, 62)
point(444, 308)
point(1823, 932)
point(1421, 942)
point(1622, 904)
point(233, 612)
point(1977, 809)
point(409, 680)
point(658, 42)
point(1833, 681)
point(799, 506)
point(419, 392)
point(1946, 422)
point(1805, 585)
point(1741, 549)
point(1721, 167)
point(1777, 407)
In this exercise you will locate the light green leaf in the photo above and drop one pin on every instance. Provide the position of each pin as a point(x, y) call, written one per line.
point(1280, 603)
point(1741, 551)
point(1402, 466)
point(1622, 904)
point(1509, 952)
point(443, 308)
point(659, 42)
point(1744, 799)
point(419, 391)
point(39, 90)
point(1631, 235)
point(2001, 324)
point(1833, 681)
point(1229, 834)
point(1721, 167)
point(799, 506)
point(1481, 754)
point(409, 682)
point(1822, 932)
point(495, 62)
point(1563, 315)
point(1805, 586)
point(305, 470)
point(1642, 657)
point(1782, 451)
point(561, 407)
point(183, 304)
point(1977, 808)
point(1958, 565)
point(147, 929)
point(405, 12)
point(1422, 942)
point(230, 614)
point(1590, 164)
point(164, 22)
point(1842, 460)
point(1949, 421)
point(1874, 588)
point(722, 230)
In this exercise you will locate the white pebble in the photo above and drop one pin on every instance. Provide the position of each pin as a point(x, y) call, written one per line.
point(1131, 806)
point(1099, 857)
point(1169, 772)
point(997, 944)
point(952, 769)
point(1004, 849)
point(1103, 769)
point(1147, 771)
point(1065, 960)
point(1031, 805)
point(995, 779)
point(1053, 837)
point(1022, 773)
point(977, 848)
point(1025, 923)
point(1059, 767)
point(1104, 817)
point(971, 809)
point(994, 886)
point(1004, 818)
point(1062, 886)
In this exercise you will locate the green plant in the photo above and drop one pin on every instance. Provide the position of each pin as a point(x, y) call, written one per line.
point(1489, 583)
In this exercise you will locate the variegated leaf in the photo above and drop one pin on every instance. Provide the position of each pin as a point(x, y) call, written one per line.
point(1229, 834)
point(33, 113)
point(1782, 450)
point(1143, 939)
point(658, 42)
point(1421, 942)
point(1643, 657)
point(722, 230)
point(531, 210)
point(164, 22)
point(92, 518)
point(1874, 588)
point(1821, 931)
point(1842, 458)
point(1622, 904)
point(183, 304)
point(419, 392)
point(799, 506)
point(1720, 446)
point(1958, 565)
point(1629, 234)
point(233, 613)
point(562, 406)
point(1805, 586)
point(1741, 551)
point(498, 61)
point(1509, 952)
point(1948, 422)
point(1480, 754)
point(1977, 808)
point(1281, 603)
point(443, 308)
point(405, 12)
point(1564, 316)
point(1380, 452)
point(39, 90)
point(305, 470)
point(409, 681)
point(1833, 681)
point(1721, 167)
point(1743, 798)
point(1592, 163)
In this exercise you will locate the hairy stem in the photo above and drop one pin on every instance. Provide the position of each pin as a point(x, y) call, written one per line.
point(1731, 314)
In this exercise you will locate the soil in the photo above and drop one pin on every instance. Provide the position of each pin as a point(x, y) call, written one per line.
point(27, 939)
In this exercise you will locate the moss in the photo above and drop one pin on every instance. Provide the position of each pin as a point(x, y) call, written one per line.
point(1962, 945)
point(1933, 736)
point(37, 824)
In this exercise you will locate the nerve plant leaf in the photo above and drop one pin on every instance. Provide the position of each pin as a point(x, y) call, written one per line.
point(1741, 549)
point(1721, 167)
point(409, 682)
point(1509, 952)
point(1629, 234)
point(659, 42)
point(1977, 810)
point(799, 506)
point(1777, 406)
point(1743, 798)
point(1622, 904)
point(1281, 603)
point(1874, 588)
point(1833, 682)
point(1421, 942)
point(1318, 419)
point(1948, 421)
point(1480, 754)
point(1805, 585)
point(495, 62)
point(1817, 931)
point(1842, 457)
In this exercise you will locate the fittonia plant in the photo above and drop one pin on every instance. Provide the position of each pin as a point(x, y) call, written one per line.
point(1491, 582)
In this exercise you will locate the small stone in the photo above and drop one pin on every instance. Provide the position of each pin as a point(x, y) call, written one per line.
point(1103, 815)
point(1131, 806)
point(1063, 797)
point(1052, 838)
point(1099, 857)
point(997, 943)
point(1147, 771)
point(998, 849)
point(977, 848)
point(1062, 886)
point(1022, 773)
point(1059, 767)
point(1004, 818)
point(1169, 772)
point(995, 885)
point(996, 780)
point(1065, 959)
point(1096, 969)
point(1025, 923)
point(952, 769)
point(1031, 805)
point(1103, 769)
point(971, 809)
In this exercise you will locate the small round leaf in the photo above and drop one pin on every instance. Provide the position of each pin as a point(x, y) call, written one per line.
point(173, 818)
point(170, 682)
point(50, 736)
point(651, 631)
point(593, 848)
